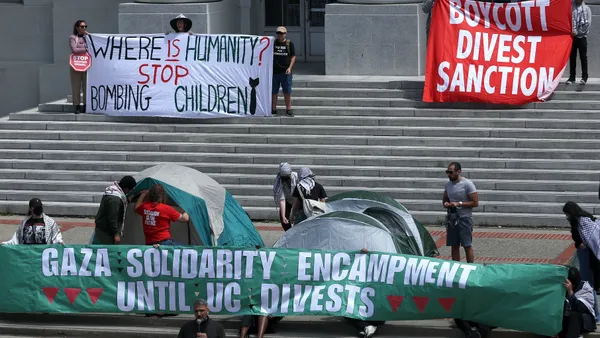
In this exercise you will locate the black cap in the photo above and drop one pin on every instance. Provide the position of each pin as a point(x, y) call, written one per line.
point(35, 202)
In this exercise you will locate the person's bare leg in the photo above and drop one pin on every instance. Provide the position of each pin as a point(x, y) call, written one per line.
point(470, 253)
point(244, 331)
point(456, 253)
point(288, 101)
point(274, 102)
point(263, 322)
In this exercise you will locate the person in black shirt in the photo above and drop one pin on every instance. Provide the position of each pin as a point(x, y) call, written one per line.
point(284, 58)
point(311, 190)
point(202, 326)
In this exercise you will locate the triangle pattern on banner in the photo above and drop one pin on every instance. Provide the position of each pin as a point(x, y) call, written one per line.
point(50, 293)
point(447, 303)
point(72, 293)
point(196, 293)
point(421, 302)
point(120, 269)
point(395, 301)
point(94, 294)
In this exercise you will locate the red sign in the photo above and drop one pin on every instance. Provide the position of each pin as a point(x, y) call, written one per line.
point(508, 53)
point(80, 61)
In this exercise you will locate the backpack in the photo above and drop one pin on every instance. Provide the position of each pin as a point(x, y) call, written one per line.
point(311, 207)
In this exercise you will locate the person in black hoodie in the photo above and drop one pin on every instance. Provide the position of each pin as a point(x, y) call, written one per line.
point(202, 326)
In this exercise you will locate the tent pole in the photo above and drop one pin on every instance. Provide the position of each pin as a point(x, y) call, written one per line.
point(189, 233)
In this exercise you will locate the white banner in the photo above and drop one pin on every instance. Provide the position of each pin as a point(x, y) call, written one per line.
point(180, 75)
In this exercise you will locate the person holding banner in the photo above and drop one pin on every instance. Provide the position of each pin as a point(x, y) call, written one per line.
point(582, 20)
point(36, 228)
point(578, 314)
point(181, 24)
point(78, 45)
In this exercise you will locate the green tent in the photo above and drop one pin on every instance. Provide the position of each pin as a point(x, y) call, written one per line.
point(216, 218)
point(400, 222)
point(360, 219)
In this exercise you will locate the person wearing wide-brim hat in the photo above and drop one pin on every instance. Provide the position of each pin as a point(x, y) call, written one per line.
point(181, 24)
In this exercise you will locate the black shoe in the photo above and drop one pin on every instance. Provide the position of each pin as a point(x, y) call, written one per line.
point(83, 109)
point(571, 80)
point(583, 81)
point(274, 112)
point(289, 113)
point(77, 109)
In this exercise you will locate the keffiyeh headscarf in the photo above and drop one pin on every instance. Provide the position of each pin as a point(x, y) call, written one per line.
point(285, 170)
point(307, 179)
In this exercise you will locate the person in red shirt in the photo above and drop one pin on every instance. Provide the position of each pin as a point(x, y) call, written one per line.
point(157, 216)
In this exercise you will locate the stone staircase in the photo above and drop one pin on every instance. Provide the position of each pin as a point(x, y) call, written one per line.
point(353, 132)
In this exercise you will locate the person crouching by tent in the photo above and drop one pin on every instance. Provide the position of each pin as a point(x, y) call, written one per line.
point(36, 227)
point(157, 216)
point(110, 218)
point(283, 189)
point(578, 317)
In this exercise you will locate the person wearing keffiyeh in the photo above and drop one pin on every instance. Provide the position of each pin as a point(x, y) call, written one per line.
point(581, 21)
point(283, 187)
point(310, 189)
point(111, 214)
point(585, 231)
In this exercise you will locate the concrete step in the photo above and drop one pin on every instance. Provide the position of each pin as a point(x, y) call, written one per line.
point(555, 220)
point(126, 326)
point(412, 198)
point(39, 149)
point(35, 115)
point(298, 160)
point(63, 106)
point(333, 185)
point(104, 141)
point(551, 132)
point(108, 170)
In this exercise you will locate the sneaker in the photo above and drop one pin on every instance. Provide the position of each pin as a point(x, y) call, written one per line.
point(370, 331)
point(582, 82)
point(289, 113)
point(473, 334)
point(274, 112)
point(570, 81)
point(361, 333)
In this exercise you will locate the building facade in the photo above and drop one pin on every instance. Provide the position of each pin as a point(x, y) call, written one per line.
point(351, 37)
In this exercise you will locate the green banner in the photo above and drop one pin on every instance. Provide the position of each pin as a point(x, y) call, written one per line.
point(377, 286)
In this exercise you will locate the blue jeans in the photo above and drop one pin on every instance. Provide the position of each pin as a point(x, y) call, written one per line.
point(169, 241)
point(583, 255)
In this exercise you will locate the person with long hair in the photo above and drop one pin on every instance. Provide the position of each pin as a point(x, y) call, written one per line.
point(585, 231)
point(78, 79)
point(36, 227)
point(157, 216)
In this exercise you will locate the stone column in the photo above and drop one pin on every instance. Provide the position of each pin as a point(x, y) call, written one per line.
point(375, 37)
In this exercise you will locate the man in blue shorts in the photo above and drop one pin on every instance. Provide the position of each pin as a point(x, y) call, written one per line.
point(460, 197)
point(284, 58)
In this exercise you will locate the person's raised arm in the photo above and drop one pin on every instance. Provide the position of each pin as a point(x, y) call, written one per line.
point(184, 217)
point(141, 199)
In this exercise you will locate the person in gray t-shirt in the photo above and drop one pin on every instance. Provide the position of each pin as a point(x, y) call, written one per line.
point(460, 197)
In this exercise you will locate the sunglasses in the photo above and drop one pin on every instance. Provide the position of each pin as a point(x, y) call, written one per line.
point(280, 33)
point(449, 172)
point(82, 26)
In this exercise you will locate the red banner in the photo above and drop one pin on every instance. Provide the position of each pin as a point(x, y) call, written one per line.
point(506, 53)
point(80, 62)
